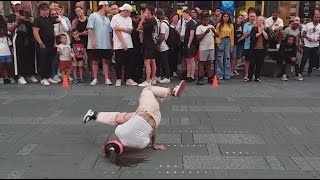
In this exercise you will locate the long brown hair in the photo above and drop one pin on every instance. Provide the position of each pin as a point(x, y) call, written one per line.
point(112, 151)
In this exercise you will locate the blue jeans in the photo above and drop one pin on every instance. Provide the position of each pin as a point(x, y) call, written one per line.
point(223, 66)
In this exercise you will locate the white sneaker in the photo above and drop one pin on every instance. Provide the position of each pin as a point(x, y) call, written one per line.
point(165, 80)
point(70, 79)
point(299, 77)
point(22, 81)
point(175, 74)
point(158, 79)
point(232, 75)
point(118, 83)
point(50, 80)
point(177, 91)
point(108, 82)
point(94, 82)
point(284, 77)
point(33, 79)
point(131, 82)
point(144, 84)
point(236, 73)
point(57, 79)
point(59, 74)
point(89, 116)
point(45, 82)
point(153, 82)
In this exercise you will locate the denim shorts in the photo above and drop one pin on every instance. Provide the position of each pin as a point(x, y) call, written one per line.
point(237, 51)
point(5, 59)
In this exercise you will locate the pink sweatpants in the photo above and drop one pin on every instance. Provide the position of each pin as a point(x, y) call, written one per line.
point(147, 103)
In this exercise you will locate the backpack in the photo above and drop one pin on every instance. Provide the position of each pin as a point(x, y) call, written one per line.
point(173, 38)
point(156, 34)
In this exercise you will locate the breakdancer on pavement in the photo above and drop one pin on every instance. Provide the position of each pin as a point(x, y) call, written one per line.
point(135, 129)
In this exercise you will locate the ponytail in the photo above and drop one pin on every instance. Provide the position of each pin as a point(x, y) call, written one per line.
point(112, 151)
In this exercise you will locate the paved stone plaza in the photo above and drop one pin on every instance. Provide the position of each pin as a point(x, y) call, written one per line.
point(238, 130)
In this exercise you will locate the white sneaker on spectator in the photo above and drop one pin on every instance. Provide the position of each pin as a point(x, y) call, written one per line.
point(108, 82)
point(236, 73)
point(1, 81)
point(22, 81)
point(153, 82)
point(299, 77)
point(175, 74)
point(165, 80)
point(45, 82)
point(70, 79)
point(284, 77)
point(118, 83)
point(232, 75)
point(94, 82)
point(318, 69)
point(59, 74)
point(158, 79)
point(33, 79)
point(56, 78)
point(144, 84)
point(131, 82)
point(50, 80)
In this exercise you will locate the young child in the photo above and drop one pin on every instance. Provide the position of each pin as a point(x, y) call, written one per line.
point(78, 47)
point(288, 55)
point(65, 54)
point(6, 66)
point(135, 129)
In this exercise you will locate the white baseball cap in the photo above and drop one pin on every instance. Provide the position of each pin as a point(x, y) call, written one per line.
point(126, 7)
point(15, 2)
point(103, 3)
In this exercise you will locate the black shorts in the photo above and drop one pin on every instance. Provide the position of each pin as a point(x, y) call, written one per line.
point(189, 53)
point(149, 52)
point(246, 54)
point(99, 54)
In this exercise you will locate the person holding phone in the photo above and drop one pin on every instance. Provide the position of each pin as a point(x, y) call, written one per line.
point(20, 26)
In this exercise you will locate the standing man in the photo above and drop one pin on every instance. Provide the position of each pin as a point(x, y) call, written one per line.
point(114, 10)
point(311, 37)
point(149, 25)
point(99, 41)
point(246, 34)
point(216, 15)
point(122, 27)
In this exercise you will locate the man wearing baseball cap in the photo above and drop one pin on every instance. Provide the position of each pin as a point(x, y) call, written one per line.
point(99, 41)
point(122, 44)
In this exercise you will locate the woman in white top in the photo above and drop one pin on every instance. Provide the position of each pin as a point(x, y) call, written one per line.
point(135, 129)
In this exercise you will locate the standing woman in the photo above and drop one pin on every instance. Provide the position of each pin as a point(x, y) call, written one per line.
point(239, 43)
point(174, 54)
point(225, 44)
point(80, 23)
point(259, 36)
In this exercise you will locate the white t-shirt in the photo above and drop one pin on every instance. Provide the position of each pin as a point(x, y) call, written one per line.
point(274, 25)
point(207, 43)
point(314, 33)
point(164, 29)
point(119, 21)
point(65, 49)
point(4, 46)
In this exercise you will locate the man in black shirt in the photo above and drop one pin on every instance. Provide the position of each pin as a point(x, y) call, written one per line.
point(137, 47)
point(149, 26)
point(43, 31)
point(189, 48)
point(287, 54)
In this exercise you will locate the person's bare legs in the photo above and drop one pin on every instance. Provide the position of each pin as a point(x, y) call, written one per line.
point(147, 64)
point(105, 67)
point(153, 69)
point(95, 69)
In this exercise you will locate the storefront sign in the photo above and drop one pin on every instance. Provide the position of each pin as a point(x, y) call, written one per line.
point(307, 9)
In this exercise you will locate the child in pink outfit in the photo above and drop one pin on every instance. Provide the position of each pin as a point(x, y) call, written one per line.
point(134, 129)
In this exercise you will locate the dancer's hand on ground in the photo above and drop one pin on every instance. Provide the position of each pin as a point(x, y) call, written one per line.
point(158, 147)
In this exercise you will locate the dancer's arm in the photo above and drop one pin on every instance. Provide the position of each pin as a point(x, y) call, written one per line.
point(153, 141)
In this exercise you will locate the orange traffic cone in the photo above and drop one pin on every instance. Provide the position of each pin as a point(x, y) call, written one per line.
point(215, 81)
point(65, 82)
